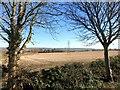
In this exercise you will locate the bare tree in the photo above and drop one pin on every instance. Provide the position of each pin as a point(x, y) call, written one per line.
point(96, 22)
point(16, 18)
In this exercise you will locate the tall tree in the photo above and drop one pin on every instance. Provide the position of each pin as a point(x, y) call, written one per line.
point(97, 22)
point(16, 18)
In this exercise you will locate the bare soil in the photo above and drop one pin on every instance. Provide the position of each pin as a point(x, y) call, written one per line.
point(38, 61)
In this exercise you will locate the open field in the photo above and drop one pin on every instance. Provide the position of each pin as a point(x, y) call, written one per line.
point(38, 61)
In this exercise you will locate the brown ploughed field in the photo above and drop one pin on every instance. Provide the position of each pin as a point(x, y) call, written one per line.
point(38, 61)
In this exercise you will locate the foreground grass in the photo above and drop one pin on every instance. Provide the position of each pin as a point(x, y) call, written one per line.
point(76, 76)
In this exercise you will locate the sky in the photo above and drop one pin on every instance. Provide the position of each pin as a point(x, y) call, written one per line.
point(43, 39)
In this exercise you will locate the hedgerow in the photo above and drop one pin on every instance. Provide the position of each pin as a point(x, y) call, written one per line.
point(76, 76)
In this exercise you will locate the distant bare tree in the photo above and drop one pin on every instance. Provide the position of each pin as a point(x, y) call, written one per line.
point(96, 22)
point(16, 18)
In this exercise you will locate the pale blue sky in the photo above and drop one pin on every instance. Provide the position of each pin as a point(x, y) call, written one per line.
point(41, 38)
point(45, 39)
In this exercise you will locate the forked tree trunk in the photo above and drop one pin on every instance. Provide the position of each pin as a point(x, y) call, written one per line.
point(107, 65)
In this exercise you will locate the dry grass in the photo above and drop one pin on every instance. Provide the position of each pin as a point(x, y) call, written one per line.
point(38, 61)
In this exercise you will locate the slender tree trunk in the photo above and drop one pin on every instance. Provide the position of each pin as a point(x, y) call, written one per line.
point(107, 65)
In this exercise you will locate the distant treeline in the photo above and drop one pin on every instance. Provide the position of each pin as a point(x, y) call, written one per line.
point(50, 50)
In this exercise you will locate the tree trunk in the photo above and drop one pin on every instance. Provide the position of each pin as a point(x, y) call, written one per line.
point(107, 65)
point(12, 66)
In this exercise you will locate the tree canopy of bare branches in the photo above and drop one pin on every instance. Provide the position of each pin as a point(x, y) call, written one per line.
point(16, 18)
point(96, 22)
